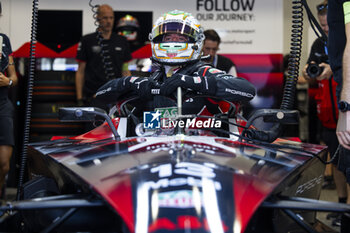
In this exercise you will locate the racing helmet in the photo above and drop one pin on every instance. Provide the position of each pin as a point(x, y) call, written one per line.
point(128, 26)
point(176, 53)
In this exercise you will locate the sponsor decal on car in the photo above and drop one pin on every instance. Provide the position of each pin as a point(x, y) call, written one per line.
point(309, 184)
point(179, 199)
point(190, 170)
point(167, 112)
point(184, 222)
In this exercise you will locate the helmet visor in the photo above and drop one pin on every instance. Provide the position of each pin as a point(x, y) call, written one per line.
point(173, 27)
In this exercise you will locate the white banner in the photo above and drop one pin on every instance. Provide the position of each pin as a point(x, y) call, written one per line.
point(245, 26)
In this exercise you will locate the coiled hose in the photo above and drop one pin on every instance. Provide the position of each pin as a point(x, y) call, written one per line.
point(29, 101)
point(105, 53)
point(292, 75)
point(295, 54)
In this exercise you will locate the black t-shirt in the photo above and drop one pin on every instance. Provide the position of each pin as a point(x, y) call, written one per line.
point(318, 52)
point(89, 51)
point(4, 62)
point(336, 39)
point(224, 63)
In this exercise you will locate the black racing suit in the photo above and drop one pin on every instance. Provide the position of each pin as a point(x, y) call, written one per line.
point(223, 86)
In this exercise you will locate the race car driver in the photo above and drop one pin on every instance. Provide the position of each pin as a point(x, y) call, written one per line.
point(177, 41)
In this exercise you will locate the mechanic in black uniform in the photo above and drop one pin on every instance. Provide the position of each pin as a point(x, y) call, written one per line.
point(177, 40)
point(211, 46)
point(339, 57)
point(8, 79)
point(319, 55)
point(92, 72)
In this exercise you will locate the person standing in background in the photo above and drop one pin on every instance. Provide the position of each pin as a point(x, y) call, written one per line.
point(8, 79)
point(318, 73)
point(211, 46)
point(339, 57)
point(129, 27)
point(102, 56)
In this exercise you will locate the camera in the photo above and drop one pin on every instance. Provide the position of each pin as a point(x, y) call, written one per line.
point(314, 70)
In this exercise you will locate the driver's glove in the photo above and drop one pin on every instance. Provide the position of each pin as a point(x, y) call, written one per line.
point(201, 84)
point(144, 87)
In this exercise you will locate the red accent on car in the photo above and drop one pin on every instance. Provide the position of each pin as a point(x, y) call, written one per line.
point(161, 223)
point(113, 192)
point(191, 222)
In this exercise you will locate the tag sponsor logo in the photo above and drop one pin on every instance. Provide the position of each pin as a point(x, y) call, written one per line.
point(167, 112)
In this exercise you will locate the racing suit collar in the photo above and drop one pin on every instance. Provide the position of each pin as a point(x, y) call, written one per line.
point(170, 70)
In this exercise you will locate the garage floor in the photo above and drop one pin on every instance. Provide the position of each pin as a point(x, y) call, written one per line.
point(328, 195)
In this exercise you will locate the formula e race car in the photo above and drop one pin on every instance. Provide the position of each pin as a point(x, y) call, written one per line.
point(179, 178)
